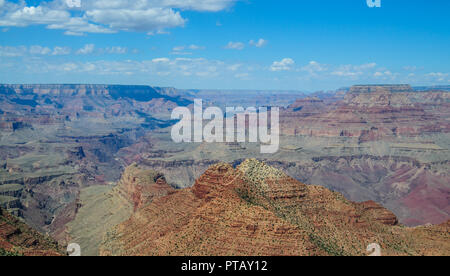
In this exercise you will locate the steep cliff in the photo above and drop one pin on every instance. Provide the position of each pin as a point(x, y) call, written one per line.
point(102, 207)
point(18, 239)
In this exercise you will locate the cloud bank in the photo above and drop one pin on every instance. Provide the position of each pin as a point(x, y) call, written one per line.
point(105, 16)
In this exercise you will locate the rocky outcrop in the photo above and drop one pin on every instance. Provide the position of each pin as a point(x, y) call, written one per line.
point(379, 213)
point(17, 239)
point(258, 210)
point(102, 207)
point(396, 88)
point(140, 185)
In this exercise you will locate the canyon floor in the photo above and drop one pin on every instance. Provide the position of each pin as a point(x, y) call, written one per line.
point(77, 162)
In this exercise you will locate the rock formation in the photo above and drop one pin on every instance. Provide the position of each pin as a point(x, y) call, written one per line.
point(56, 140)
point(258, 210)
point(17, 239)
point(102, 207)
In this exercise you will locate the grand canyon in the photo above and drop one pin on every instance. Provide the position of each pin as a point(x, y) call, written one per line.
point(95, 165)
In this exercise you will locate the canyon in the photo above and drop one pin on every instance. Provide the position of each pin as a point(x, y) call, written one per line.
point(77, 161)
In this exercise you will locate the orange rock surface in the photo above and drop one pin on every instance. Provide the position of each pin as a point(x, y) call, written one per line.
point(16, 238)
point(258, 210)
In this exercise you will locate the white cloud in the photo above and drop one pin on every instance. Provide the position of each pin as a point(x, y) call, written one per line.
point(86, 50)
point(76, 26)
point(195, 47)
point(314, 67)
point(105, 16)
point(439, 76)
point(178, 67)
point(283, 65)
point(383, 74)
point(234, 67)
point(137, 20)
point(181, 50)
point(39, 50)
point(18, 15)
point(35, 50)
point(353, 71)
point(160, 60)
point(410, 68)
point(7, 51)
point(259, 44)
point(116, 50)
point(235, 45)
point(243, 76)
point(378, 74)
point(60, 51)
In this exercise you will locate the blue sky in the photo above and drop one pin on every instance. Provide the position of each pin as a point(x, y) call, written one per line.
point(225, 44)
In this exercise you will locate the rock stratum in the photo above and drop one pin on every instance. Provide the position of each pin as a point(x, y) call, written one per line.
point(385, 143)
point(56, 140)
point(18, 239)
point(255, 209)
point(71, 155)
point(103, 207)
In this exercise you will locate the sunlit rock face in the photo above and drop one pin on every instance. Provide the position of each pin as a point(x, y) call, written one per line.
point(255, 209)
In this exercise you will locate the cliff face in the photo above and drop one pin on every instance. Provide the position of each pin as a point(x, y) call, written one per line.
point(397, 88)
point(371, 113)
point(59, 139)
point(103, 207)
point(135, 92)
point(257, 210)
point(16, 238)
point(140, 186)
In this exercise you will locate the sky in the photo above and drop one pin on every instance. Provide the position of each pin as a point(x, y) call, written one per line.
point(306, 45)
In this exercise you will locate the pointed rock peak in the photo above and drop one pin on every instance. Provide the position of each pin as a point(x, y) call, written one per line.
point(216, 179)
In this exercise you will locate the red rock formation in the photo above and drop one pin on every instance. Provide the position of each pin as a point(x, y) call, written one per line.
point(379, 213)
point(370, 113)
point(18, 239)
point(257, 210)
point(140, 185)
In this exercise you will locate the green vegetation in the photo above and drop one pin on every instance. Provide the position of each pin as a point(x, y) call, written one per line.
point(4, 253)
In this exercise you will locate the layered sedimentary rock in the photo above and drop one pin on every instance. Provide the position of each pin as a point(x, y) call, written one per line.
point(369, 113)
point(388, 144)
point(140, 186)
point(257, 210)
point(56, 140)
point(17, 239)
point(102, 207)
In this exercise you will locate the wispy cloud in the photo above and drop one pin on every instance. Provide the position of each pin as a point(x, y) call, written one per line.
point(259, 44)
point(86, 50)
point(235, 45)
point(285, 64)
point(186, 50)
